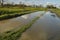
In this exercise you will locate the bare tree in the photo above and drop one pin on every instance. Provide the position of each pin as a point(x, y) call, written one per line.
point(2, 2)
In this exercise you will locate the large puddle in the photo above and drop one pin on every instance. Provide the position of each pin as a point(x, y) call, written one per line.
point(46, 28)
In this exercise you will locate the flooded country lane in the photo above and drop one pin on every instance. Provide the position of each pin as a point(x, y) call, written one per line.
point(18, 22)
point(46, 28)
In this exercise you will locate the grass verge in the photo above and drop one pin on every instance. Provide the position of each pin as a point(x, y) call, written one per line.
point(8, 16)
point(56, 11)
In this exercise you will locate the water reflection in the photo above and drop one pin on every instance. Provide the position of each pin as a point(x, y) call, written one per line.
point(25, 17)
point(46, 28)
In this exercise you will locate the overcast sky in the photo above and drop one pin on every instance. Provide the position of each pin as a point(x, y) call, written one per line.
point(37, 2)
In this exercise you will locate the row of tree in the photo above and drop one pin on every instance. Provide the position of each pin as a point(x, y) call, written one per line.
point(20, 4)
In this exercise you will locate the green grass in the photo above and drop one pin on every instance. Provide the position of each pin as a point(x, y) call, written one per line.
point(8, 16)
point(7, 13)
point(14, 35)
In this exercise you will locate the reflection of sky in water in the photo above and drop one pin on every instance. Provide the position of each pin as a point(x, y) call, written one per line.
point(32, 15)
point(25, 16)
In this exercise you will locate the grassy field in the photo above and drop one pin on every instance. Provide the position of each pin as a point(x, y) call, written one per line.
point(7, 13)
point(14, 34)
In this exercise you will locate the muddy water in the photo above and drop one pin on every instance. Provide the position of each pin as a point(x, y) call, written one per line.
point(18, 22)
point(46, 28)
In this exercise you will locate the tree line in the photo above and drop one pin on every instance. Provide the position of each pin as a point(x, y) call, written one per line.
point(20, 4)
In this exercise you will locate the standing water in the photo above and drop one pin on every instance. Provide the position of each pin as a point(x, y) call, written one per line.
point(46, 28)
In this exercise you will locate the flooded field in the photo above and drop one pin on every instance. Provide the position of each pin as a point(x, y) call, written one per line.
point(9, 24)
point(47, 27)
